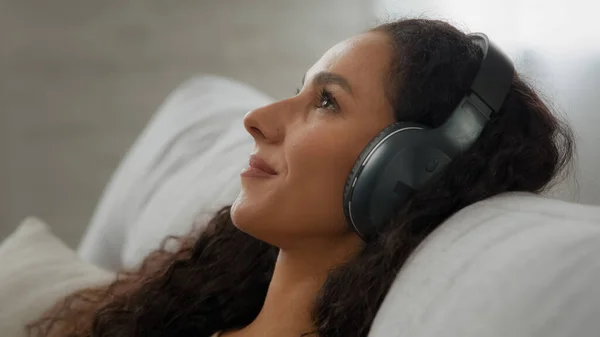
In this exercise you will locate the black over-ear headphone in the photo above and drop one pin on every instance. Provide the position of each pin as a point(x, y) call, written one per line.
point(405, 156)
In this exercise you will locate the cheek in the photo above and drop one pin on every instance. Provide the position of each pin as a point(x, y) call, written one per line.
point(319, 161)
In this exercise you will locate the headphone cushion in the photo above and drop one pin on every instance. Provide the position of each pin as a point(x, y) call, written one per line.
point(365, 153)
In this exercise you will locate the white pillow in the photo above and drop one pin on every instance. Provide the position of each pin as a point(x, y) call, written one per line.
point(516, 265)
point(185, 164)
point(37, 270)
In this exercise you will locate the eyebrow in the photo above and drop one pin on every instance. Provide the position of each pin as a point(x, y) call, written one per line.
point(324, 78)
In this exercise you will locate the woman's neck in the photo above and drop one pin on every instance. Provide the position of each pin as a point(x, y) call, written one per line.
point(298, 277)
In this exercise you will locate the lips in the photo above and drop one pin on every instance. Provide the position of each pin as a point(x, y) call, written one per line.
point(258, 169)
point(259, 164)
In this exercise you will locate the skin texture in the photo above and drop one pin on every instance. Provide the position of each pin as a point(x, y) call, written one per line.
point(312, 141)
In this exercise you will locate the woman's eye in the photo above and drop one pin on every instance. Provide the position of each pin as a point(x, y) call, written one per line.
point(326, 101)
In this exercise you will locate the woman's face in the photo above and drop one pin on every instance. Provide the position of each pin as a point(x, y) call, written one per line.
point(312, 141)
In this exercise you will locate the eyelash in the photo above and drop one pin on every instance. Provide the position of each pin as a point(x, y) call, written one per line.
point(324, 94)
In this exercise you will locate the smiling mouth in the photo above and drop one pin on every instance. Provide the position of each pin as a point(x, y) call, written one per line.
point(258, 168)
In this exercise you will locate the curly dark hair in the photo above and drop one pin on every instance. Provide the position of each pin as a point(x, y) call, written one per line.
point(217, 280)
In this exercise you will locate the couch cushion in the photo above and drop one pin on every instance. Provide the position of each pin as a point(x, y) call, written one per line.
point(183, 167)
point(37, 271)
point(514, 265)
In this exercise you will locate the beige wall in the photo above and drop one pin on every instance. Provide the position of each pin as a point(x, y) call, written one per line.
point(79, 79)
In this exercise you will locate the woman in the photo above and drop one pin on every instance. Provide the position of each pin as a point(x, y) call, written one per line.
point(282, 260)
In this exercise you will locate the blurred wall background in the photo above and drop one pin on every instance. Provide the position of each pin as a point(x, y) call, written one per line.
point(79, 79)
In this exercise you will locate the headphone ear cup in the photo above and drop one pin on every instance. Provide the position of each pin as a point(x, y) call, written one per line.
point(358, 165)
point(361, 158)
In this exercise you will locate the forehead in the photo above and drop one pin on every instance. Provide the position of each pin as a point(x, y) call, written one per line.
point(363, 60)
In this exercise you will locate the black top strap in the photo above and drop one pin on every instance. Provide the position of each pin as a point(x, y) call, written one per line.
point(495, 75)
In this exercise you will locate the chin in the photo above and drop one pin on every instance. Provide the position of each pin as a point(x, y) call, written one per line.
point(258, 223)
point(236, 214)
point(246, 218)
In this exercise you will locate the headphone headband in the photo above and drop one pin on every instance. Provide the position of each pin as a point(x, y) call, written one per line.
point(493, 80)
point(488, 92)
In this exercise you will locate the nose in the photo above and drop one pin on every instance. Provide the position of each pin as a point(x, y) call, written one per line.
point(268, 123)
